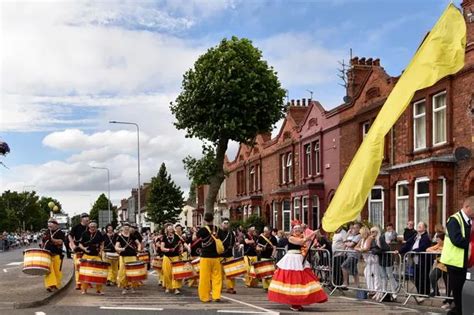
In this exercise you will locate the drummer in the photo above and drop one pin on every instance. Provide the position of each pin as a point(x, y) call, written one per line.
point(53, 241)
point(157, 239)
point(266, 246)
point(92, 243)
point(127, 246)
point(75, 237)
point(250, 254)
point(195, 246)
point(172, 247)
point(227, 236)
point(109, 254)
point(185, 255)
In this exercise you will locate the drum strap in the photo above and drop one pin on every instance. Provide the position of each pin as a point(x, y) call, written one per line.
point(267, 240)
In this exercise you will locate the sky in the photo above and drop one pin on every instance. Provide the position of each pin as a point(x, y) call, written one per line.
point(69, 67)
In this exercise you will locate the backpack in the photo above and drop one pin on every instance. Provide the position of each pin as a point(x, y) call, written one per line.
point(219, 244)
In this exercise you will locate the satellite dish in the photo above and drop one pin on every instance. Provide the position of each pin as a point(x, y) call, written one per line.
point(347, 99)
point(462, 154)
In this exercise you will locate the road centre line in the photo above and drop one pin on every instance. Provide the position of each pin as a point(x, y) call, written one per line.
point(131, 308)
point(240, 312)
point(40, 313)
point(15, 263)
point(250, 305)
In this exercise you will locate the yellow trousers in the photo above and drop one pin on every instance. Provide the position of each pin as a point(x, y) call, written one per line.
point(167, 271)
point(113, 269)
point(249, 281)
point(210, 279)
point(122, 281)
point(85, 286)
point(76, 270)
point(229, 282)
point(53, 279)
point(266, 283)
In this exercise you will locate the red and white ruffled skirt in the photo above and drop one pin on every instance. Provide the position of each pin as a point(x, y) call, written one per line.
point(294, 283)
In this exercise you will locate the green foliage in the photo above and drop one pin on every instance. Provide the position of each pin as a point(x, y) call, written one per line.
point(192, 194)
point(230, 93)
point(200, 171)
point(166, 200)
point(75, 220)
point(102, 204)
point(21, 210)
point(254, 220)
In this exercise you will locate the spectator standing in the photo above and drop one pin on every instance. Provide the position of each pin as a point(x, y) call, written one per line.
point(409, 231)
point(337, 249)
point(349, 266)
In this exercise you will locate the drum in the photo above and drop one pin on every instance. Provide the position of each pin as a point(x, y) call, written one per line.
point(93, 271)
point(235, 267)
point(111, 256)
point(78, 257)
point(263, 269)
point(157, 263)
point(36, 261)
point(195, 263)
point(136, 271)
point(182, 269)
point(144, 256)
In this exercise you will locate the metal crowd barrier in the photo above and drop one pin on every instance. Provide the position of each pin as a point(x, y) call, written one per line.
point(320, 260)
point(379, 274)
point(280, 252)
point(238, 251)
point(424, 277)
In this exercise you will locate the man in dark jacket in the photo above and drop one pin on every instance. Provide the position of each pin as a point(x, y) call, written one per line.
point(409, 231)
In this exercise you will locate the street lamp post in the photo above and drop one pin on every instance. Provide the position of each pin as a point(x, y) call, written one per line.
point(138, 158)
point(108, 188)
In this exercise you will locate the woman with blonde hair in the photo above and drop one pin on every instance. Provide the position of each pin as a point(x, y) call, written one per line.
point(366, 246)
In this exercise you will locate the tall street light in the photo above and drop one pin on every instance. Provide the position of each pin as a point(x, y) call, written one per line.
point(138, 158)
point(108, 188)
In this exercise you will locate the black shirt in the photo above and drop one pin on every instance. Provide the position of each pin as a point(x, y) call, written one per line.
point(228, 239)
point(293, 246)
point(172, 243)
point(208, 249)
point(138, 236)
point(267, 248)
point(76, 233)
point(49, 245)
point(196, 246)
point(109, 242)
point(249, 249)
point(92, 242)
point(129, 244)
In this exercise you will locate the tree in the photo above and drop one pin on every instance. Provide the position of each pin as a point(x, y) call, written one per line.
point(21, 211)
point(166, 200)
point(101, 204)
point(75, 220)
point(230, 94)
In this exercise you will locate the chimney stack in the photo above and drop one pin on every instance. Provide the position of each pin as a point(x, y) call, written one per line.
point(297, 102)
point(292, 102)
point(304, 101)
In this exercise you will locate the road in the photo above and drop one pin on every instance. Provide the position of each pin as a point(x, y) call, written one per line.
point(151, 299)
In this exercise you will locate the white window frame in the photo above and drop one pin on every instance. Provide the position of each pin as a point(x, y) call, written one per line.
point(417, 181)
point(365, 130)
point(287, 211)
point(296, 209)
point(377, 200)
point(397, 198)
point(317, 156)
point(318, 206)
point(257, 176)
point(252, 179)
point(289, 165)
point(304, 207)
point(283, 168)
point(308, 160)
point(275, 214)
point(415, 118)
point(444, 199)
point(435, 110)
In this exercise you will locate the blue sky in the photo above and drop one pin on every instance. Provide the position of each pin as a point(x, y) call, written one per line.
point(71, 66)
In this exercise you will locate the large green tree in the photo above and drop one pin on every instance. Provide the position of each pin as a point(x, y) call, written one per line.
point(101, 204)
point(166, 200)
point(230, 94)
point(21, 211)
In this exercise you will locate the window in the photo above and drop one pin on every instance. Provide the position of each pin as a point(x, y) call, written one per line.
point(402, 206)
point(439, 118)
point(307, 160)
point(419, 125)
point(275, 214)
point(441, 201)
point(257, 176)
point(315, 212)
point(365, 129)
point(422, 200)
point(296, 209)
point(289, 167)
point(376, 206)
point(256, 211)
point(283, 169)
point(252, 183)
point(286, 206)
point(304, 215)
point(317, 158)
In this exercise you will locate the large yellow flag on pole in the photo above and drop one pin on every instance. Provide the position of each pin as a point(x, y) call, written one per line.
point(441, 54)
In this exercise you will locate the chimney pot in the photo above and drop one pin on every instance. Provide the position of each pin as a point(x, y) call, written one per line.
point(297, 102)
point(292, 102)
point(354, 61)
point(362, 61)
point(369, 62)
point(376, 62)
point(304, 101)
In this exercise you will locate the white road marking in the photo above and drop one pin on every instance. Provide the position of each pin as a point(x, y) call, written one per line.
point(239, 312)
point(15, 263)
point(4, 270)
point(251, 305)
point(410, 309)
point(131, 308)
point(40, 313)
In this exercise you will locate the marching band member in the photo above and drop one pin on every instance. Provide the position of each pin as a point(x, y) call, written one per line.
point(266, 246)
point(294, 282)
point(195, 247)
point(172, 247)
point(157, 240)
point(228, 239)
point(53, 241)
point(75, 237)
point(210, 269)
point(109, 247)
point(250, 255)
point(92, 243)
point(185, 255)
point(126, 245)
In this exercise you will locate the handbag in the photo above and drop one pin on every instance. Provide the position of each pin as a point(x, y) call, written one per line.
point(219, 245)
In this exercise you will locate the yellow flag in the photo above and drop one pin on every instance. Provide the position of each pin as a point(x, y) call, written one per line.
point(441, 54)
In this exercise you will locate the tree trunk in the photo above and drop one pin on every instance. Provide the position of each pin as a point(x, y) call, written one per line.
point(216, 180)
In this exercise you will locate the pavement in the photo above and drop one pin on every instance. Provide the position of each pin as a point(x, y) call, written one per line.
point(151, 299)
point(20, 290)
